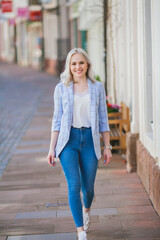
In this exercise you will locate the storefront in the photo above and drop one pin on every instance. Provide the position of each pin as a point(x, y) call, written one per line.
point(35, 38)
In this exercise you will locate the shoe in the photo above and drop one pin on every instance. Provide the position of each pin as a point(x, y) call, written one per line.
point(86, 220)
point(82, 236)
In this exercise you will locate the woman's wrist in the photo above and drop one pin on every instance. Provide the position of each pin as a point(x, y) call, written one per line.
point(107, 150)
point(52, 148)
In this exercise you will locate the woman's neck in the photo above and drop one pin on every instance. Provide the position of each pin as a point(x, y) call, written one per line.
point(80, 81)
point(80, 86)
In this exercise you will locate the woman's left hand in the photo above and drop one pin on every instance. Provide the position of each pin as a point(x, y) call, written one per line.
point(107, 155)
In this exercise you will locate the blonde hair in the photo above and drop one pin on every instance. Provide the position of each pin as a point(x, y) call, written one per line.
point(66, 76)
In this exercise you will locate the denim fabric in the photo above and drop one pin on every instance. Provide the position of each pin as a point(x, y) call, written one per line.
point(79, 163)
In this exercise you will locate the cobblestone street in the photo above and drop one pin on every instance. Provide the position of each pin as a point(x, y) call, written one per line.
point(21, 92)
point(33, 195)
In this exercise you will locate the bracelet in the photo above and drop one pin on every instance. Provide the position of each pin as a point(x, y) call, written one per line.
point(108, 147)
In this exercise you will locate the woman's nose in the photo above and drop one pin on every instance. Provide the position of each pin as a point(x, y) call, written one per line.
point(77, 66)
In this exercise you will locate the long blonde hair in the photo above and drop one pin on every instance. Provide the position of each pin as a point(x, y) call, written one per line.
point(66, 76)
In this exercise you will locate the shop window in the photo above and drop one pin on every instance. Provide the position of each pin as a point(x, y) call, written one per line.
point(84, 40)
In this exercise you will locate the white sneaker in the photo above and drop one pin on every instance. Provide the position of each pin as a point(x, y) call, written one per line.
point(86, 220)
point(82, 236)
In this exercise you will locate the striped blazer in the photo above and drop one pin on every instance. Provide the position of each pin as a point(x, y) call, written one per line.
point(63, 113)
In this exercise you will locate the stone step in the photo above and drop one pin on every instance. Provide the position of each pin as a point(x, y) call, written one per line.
point(56, 236)
point(64, 213)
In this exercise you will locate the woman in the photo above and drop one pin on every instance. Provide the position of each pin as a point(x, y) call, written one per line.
point(80, 115)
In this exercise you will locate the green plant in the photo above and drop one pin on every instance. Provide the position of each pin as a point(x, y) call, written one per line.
point(97, 77)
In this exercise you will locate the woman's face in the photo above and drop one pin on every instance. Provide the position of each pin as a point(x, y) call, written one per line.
point(78, 66)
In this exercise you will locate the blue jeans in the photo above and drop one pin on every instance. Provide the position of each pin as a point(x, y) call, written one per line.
point(79, 164)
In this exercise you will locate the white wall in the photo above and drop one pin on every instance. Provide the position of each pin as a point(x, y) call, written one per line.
point(149, 97)
point(91, 20)
point(95, 48)
point(135, 68)
point(5, 44)
point(90, 11)
point(147, 141)
point(156, 77)
point(119, 51)
point(64, 18)
point(50, 35)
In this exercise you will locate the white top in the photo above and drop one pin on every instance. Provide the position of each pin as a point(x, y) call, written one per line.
point(81, 110)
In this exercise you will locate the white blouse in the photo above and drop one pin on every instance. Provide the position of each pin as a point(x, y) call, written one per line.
point(81, 110)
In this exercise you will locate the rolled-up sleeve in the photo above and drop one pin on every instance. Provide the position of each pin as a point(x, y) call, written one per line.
point(102, 111)
point(58, 110)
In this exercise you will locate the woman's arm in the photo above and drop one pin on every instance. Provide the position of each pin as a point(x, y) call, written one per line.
point(54, 137)
point(107, 155)
point(56, 123)
point(106, 138)
point(53, 142)
point(103, 123)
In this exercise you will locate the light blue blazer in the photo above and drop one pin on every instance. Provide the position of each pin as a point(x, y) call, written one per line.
point(63, 113)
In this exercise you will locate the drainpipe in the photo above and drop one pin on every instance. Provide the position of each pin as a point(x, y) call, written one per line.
point(59, 37)
point(42, 40)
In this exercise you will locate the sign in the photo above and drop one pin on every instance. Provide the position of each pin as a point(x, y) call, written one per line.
point(35, 15)
point(7, 6)
point(23, 12)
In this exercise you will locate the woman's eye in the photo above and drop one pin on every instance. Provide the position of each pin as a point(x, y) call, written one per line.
point(76, 64)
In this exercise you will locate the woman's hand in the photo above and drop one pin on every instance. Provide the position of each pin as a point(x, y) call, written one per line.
point(50, 157)
point(107, 155)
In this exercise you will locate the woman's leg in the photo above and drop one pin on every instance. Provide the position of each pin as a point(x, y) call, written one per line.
point(88, 173)
point(88, 169)
point(69, 159)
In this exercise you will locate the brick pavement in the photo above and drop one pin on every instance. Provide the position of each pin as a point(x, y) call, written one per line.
point(33, 195)
point(21, 92)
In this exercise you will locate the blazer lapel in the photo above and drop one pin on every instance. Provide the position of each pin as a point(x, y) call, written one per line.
point(92, 92)
point(70, 100)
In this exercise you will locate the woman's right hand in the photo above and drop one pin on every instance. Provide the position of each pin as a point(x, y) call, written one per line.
point(50, 157)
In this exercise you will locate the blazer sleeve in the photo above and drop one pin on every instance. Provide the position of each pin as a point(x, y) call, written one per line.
point(102, 111)
point(58, 109)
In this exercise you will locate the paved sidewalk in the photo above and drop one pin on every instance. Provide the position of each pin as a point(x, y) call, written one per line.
point(33, 195)
point(21, 92)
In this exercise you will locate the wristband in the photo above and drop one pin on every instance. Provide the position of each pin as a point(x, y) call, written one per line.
point(108, 147)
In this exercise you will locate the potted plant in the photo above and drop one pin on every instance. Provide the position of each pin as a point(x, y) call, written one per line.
point(112, 107)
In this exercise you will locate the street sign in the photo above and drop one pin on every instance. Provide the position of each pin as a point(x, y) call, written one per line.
point(35, 15)
point(7, 6)
point(23, 12)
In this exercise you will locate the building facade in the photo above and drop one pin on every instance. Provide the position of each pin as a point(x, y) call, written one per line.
point(133, 75)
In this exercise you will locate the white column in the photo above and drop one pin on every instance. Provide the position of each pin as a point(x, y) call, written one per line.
point(156, 76)
point(95, 48)
point(134, 66)
point(140, 73)
point(128, 56)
